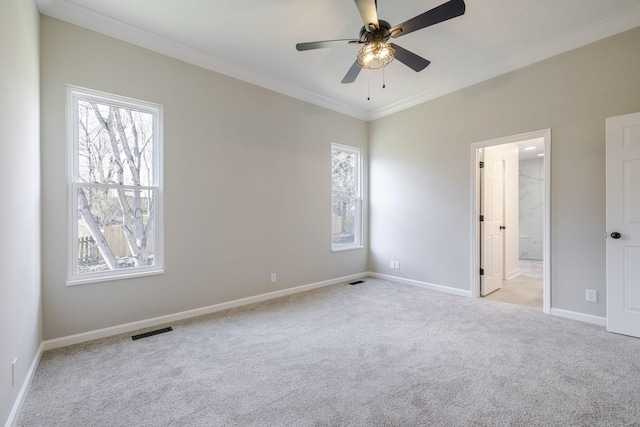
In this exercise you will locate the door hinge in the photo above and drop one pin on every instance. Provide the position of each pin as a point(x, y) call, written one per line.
point(482, 271)
point(481, 165)
point(481, 218)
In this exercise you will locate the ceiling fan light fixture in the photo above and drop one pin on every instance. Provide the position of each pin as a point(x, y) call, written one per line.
point(376, 54)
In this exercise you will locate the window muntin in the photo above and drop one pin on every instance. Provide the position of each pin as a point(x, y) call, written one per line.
point(115, 187)
point(346, 197)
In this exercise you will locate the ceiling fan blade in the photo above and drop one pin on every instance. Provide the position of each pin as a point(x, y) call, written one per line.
point(410, 59)
point(369, 12)
point(353, 72)
point(326, 43)
point(445, 11)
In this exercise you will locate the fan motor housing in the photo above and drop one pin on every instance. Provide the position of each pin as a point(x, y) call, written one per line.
point(381, 33)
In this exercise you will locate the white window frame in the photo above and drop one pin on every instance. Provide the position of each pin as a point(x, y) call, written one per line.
point(74, 94)
point(357, 244)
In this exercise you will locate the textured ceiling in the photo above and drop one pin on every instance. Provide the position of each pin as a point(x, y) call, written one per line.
point(254, 40)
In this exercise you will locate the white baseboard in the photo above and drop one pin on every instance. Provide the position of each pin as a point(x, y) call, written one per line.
point(588, 318)
point(133, 326)
point(147, 323)
point(440, 288)
point(513, 273)
point(17, 405)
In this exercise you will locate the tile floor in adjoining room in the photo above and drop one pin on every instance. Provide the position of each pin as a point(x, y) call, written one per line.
point(524, 289)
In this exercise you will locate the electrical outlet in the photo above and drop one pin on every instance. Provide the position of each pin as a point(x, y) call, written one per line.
point(274, 278)
point(13, 371)
point(592, 295)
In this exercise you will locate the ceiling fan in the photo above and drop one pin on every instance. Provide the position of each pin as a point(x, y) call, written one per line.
point(376, 52)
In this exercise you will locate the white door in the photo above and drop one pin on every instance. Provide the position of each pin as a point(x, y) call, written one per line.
point(623, 224)
point(491, 258)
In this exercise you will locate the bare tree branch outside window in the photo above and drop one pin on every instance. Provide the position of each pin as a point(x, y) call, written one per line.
point(345, 196)
point(116, 185)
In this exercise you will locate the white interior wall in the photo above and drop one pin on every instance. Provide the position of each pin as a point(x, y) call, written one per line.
point(247, 176)
point(512, 261)
point(420, 206)
point(20, 316)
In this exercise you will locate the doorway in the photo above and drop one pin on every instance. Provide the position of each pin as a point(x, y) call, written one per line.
point(510, 216)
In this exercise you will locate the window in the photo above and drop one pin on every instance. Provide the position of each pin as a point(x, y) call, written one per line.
point(346, 197)
point(115, 186)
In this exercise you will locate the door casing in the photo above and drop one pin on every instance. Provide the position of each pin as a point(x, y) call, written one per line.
point(545, 134)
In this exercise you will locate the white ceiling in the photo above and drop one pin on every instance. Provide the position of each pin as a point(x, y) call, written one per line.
point(254, 40)
point(530, 149)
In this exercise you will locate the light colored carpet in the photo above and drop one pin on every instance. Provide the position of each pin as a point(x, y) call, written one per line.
point(373, 354)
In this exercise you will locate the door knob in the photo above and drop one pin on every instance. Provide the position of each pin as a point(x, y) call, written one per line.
point(616, 235)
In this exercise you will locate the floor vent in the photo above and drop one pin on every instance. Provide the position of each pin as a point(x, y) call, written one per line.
point(356, 282)
point(152, 333)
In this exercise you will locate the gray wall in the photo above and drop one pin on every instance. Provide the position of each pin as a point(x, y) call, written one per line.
point(420, 165)
point(247, 184)
point(20, 316)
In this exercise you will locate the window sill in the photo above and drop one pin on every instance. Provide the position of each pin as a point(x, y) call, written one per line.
point(346, 248)
point(89, 280)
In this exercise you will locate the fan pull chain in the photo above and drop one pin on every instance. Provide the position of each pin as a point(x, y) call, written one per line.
point(368, 84)
point(383, 85)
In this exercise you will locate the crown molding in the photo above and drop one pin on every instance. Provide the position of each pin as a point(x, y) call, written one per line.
point(83, 17)
point(560, 45)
